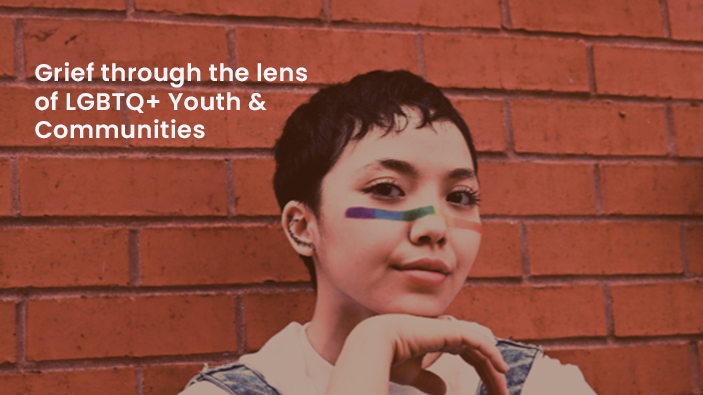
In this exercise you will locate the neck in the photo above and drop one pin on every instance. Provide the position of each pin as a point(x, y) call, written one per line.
point(332, 322)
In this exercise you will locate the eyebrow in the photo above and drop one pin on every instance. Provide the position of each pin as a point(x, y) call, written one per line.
point(408, 169)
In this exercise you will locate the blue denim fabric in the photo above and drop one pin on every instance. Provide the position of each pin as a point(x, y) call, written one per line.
point(519, 358)
point(237, 379)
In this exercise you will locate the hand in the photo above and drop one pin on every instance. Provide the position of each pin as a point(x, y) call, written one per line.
point(413, 339)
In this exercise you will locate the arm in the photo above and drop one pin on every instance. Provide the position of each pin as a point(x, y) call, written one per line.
point(397, 344)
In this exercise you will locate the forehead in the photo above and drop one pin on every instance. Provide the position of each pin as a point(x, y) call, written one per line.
point(439, 144)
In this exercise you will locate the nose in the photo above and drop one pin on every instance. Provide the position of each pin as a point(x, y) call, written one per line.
point(430, 229)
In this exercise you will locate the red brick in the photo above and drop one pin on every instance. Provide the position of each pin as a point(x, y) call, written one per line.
point(652, 189)
point(689, 131)
point(252, 254)
point(659, 369)
point(485, 120)
point(604, 248)
point(536, 188)
point(168, 380)
point(77, 41)
point(121, 186)
point(506, 63)
point(535, 313)
point(651, 72)
point(694, 242)
point(7, 332)
point(116, 381)
point(276, 8)
point(17, 108)
point(7, 47)
point(700, 353)
point(223, 129)
point(82, 4)
point(658, 309)
point(685, 18)
point(588, 128)
point(452, 13)
point(328, 55)
point(268, 313)
point(67, 257)
point(136, 326)
point(499, 255)
point(5, 188)
point(601, 17)
point(253, 187)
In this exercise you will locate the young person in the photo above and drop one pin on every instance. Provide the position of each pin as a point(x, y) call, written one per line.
point(377, 180)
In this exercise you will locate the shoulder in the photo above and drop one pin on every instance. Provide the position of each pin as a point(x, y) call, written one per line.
point(234, 379)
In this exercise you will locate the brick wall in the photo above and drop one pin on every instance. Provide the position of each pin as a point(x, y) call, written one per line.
point(126, 265)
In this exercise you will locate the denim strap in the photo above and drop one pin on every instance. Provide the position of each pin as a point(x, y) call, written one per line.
point(236, 379)
point(519, 358)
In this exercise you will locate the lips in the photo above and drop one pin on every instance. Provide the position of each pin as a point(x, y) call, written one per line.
point(426, 273)
point(427, 264)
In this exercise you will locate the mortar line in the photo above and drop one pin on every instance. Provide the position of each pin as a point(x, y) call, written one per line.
point(129, 9)
point(15, 186)
point(326, 13)
point(232, 49)
point(666, 23)
point(287, 87)
point(231, 193)
point(21, 333)
point(683, 232)
point(138, 380)
point(506, 17)
point(590, 65)
point(609, 318)
point(524, 252)
point(508, 125)
point(125, 120)
point(20, 72)
point(240, 324)
point(135, 260)
point(420, 49)
point(598, 190)
point(695, 358)
point(671, 140)
point(195, 154)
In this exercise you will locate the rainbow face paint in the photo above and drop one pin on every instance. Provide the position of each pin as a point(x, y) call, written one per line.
point(377, 213)
point(461, 223)
point(410, 216)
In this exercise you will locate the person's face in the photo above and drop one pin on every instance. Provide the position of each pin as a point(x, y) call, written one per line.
point(376, 266)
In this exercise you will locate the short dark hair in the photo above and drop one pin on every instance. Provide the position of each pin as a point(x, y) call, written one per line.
point(318, 131)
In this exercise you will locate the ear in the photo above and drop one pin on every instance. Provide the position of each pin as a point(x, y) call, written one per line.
point(300, 227)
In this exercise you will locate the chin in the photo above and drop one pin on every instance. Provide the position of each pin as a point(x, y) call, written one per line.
point(422, 306)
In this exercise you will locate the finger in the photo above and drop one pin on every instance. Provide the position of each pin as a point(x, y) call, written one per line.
point(494, 380)
point(497, 385)
point(429, 383)
point(486, 345)
point(430, 358)
point(407, 371)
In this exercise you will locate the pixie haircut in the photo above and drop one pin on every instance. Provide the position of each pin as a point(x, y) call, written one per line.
point(318, 131)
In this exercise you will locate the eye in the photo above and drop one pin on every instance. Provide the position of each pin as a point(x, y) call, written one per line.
point(385, 189)
point(464, 197)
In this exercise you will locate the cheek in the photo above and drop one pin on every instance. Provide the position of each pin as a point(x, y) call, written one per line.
point(467, 243)
point(363, 239)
